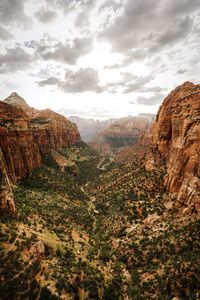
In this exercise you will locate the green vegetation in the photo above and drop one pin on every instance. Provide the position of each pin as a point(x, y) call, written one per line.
point(97, 230)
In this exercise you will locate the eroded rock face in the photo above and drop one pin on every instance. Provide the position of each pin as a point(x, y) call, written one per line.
point(7, 202)
point(25, 136)
point(53, 131)
point(176, 137)
point(20, 150)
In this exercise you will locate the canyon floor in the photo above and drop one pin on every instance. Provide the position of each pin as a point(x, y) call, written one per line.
point(89, 227)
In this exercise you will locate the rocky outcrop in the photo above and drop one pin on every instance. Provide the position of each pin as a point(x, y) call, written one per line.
point(176, 138)
point(25, 136)
point(16, 100)
point(122, 133)
point(7, 202)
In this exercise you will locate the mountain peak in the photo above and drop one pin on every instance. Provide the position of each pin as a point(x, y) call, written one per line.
point(16, 100)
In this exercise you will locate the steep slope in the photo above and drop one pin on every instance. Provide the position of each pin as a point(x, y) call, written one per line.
point(123, 132)
point(20, 150)
point(7, 202)
point(53, 131)
point(176, 138)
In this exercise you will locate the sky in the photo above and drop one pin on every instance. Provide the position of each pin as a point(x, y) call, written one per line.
point(98, 58)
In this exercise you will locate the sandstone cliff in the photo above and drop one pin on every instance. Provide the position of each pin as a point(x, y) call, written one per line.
point(7, 202)
point(20, 150)
point(53, 131)
point(176, 138)
point(25, 136)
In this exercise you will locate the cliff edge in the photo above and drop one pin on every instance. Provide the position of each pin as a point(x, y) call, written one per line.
point(175, 137)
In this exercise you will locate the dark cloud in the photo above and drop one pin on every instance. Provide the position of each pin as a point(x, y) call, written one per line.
point(126, 31)
point(15, 59)
point(154, 89)
point(129, 83)
point(68, 52)
point(110, 4)
point(45, 16)
point(176, 31)
point(144, 25)
point(181, 71)
point(182, 7)
point(138, 84)
point(4, 34)
point(84, 14)
point(13, 11)
point(151, 100)
point(49, 81)
point(83, 80)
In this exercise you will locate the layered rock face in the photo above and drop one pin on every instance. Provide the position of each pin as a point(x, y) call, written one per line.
point(19, 148)
point(123, 132)
point(53, 131)
point(24, 138)
point(176, 137)
point(7, 202)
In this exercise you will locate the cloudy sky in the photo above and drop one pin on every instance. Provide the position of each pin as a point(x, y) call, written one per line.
point(98, 58)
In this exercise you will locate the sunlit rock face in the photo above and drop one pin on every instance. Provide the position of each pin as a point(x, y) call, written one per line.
point(24, 140)
point(53, 131)
point(176, 137)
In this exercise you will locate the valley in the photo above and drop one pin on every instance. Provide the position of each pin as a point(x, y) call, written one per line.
point(88, 233)
point(76, 224)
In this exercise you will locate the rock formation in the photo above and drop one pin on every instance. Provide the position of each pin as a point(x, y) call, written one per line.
point(7, 202)
point(53, 131)
point(20, 150)
point(25, 136)
point(176, 138)
point(89, 128)
point(16, 100)
point(123, 132)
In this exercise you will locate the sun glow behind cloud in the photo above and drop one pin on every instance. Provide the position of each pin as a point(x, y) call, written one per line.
point(98, 58)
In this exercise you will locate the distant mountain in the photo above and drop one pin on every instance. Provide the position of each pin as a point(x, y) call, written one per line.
point(122, 133)
point(89, 128)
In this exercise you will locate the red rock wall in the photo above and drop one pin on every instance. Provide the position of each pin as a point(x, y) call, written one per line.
point(7, 202)
point(23, 141)
point(20, 150)
point(53, 131)
point(176, 137)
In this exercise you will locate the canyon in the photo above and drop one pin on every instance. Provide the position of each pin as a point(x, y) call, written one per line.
point(122, 223)
point(122, 133)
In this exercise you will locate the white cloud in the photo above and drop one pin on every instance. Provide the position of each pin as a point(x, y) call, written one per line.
point(102, 54)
